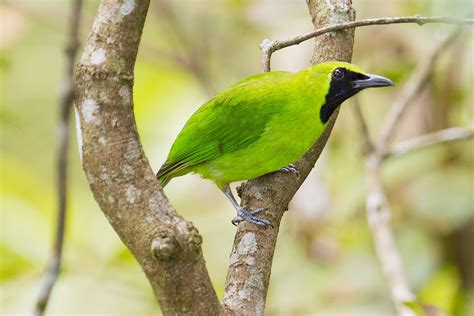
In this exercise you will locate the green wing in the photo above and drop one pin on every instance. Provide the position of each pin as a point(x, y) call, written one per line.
point(233, 120)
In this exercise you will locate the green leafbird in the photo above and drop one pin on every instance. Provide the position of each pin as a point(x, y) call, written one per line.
point(262, 124)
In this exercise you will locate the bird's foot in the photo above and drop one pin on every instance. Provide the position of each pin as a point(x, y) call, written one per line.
point(291, 168)
point(249, 216)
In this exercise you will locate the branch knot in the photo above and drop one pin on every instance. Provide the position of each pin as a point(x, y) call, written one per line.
point(165, 247)
point(267, 46)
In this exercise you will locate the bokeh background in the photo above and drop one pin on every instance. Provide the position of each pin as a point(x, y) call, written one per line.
point(324, 262)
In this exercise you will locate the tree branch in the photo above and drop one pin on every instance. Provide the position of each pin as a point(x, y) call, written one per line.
point(268, 46)
point(378, 216)
point(65, 104)
point(431, 139)
point(378, 209)
point(167, 247)
point(252, 254)
point(367, 143)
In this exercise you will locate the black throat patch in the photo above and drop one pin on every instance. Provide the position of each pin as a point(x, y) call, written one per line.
point(339, 91)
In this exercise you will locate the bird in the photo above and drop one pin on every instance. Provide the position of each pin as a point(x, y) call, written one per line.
point(261, 124)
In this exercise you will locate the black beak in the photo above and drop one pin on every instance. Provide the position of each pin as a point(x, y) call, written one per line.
point(371, 81)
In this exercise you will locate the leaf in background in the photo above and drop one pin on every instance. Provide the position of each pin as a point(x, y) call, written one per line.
point(443, 289)
point(12, 264)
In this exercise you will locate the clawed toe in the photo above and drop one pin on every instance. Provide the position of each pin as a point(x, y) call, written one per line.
point(245, 215)
point(236, 220)
point(257, 210)
point(242, 213)
point(290, 168)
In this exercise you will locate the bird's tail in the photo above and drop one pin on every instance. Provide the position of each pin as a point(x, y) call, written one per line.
point(163, 178)
point(170, 170)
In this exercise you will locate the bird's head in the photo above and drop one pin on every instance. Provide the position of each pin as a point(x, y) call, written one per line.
point(342, 81)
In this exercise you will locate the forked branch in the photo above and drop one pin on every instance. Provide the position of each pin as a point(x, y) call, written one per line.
point(411, 90)
point(377, 206)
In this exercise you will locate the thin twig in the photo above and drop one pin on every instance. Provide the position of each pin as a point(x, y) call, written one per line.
point(65, 105)
point(367, 143)
point(431, 139)
point(268, 47)
point(378, 216)
point(411, 90)
point(378, 209)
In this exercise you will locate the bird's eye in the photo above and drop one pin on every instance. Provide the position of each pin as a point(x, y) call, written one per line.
point(338, 73)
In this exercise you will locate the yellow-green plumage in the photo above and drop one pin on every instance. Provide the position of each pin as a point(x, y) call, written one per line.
point(258, 125)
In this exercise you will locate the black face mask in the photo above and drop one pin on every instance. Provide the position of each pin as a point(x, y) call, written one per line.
point(344, 84)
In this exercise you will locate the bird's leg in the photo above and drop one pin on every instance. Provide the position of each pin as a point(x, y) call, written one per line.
point(291, 168)
point(242, 213)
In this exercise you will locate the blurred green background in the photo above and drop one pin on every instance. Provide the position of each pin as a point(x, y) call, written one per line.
point(324, 262)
